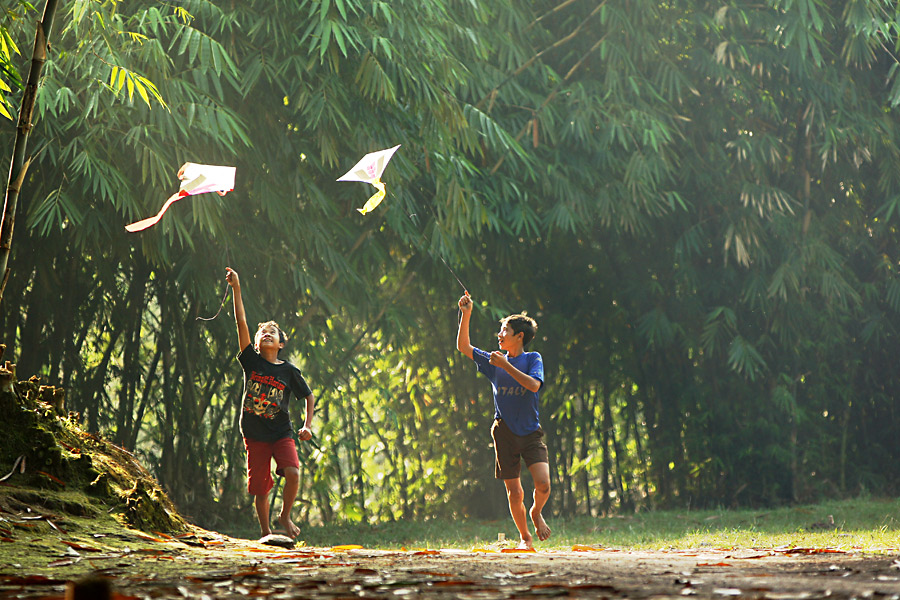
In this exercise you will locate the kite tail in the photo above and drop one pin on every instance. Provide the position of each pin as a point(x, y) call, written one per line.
point(375, 200)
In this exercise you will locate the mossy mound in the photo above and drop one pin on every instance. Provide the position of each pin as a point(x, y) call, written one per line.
point(49, 462)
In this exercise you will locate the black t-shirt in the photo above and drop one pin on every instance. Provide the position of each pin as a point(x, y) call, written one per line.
point(268, 389)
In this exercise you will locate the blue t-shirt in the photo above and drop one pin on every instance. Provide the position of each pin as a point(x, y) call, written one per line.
point(517, 406)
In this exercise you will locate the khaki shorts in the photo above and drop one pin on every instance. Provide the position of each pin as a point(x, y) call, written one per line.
point(510, 449)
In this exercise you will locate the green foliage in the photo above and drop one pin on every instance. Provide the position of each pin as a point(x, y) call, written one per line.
point(9, 51)
point(696, 202)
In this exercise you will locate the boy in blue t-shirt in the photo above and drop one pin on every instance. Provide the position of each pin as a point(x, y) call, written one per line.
point(516, 378)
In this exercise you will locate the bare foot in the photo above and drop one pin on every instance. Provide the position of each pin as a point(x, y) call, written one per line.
point(525, 544)
point(540, 526)
point(292, 530)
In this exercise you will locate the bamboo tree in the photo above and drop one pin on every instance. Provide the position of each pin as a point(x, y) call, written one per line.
point(700, 283)
point(18, 165)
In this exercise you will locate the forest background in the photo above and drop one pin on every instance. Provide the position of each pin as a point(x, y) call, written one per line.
point(698, 202)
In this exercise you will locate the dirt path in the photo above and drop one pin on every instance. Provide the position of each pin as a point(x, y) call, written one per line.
point(228, 568)
point(69, 523)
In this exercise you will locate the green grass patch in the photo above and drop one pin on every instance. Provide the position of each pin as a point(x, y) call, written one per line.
point(868, 525)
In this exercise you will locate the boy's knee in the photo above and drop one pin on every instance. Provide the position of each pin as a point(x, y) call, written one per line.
point(515, 495)
point(291, 474)
point(542, 487)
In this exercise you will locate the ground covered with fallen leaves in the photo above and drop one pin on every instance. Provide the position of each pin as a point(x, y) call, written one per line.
point(205, 565)
point(81, 518)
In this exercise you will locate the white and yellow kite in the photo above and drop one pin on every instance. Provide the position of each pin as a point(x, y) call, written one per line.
point(369, 170)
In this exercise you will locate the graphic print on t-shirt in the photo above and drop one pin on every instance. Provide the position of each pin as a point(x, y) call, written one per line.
point(264, 395)
point(512, 390)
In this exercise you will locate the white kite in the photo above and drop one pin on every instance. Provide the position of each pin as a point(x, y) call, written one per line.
point(369, 170)
point(195, 179)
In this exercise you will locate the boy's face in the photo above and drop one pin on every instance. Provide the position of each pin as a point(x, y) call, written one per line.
point(268, 337)
point(508, 339)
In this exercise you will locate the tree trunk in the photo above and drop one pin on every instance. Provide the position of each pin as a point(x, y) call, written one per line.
point(587, 435)
point(149, 387)
point(131, 367)
point(606, 425)
point(18, 166)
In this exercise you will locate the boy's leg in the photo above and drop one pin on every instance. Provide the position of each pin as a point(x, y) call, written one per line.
point(540, 472)
point(291, 486)
point(259, 480)
point(507, 465)
point(288, 464)
point(516, 496)
point(261, 502)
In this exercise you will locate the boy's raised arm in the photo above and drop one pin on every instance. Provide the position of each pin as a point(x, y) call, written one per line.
point(462, 336)
point(240, 318)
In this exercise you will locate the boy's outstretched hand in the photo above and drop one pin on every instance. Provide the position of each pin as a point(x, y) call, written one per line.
point(465, 303)
point(232, 278)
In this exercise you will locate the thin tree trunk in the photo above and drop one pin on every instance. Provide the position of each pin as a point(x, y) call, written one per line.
point(131, 370)
point(638, 444)
point(606, 425)
point(587, 434)
point(149, 386)
point(18, 166)
point(624, 501)
point(31, 350)
point(233, 485)
point(842, 460)
point(96, 383)
point(65, 317)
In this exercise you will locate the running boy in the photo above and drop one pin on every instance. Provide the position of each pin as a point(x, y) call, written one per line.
point(516, 378)
point(269, 385)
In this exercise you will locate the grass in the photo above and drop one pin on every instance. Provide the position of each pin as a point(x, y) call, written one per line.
point(868, 525)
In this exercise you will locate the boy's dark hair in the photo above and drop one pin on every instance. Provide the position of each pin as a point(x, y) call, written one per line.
point(282, 338)
point(523, 324)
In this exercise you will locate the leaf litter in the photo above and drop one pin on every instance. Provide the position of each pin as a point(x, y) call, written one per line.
point(95, 522)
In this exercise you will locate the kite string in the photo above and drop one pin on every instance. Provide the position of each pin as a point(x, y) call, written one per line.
point(452, 272)
point(224, 296)
point(446, 264)
point(221, 306)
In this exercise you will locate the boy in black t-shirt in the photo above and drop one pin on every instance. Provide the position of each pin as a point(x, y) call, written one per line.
point(269, 385)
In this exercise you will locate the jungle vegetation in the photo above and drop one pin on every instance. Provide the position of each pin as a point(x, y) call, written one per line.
point(698, 202)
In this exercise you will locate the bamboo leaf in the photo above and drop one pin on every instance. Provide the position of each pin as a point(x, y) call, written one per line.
point(341, 8)
point(745, 359)
point(79, 10)
point(143, 92)
point(325, 32)
point(339, 38)
point(183, 15)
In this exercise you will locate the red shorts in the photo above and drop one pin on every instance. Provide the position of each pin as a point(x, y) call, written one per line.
point(259, 462)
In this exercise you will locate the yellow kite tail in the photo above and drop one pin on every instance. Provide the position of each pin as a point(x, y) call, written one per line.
point(375, 200)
